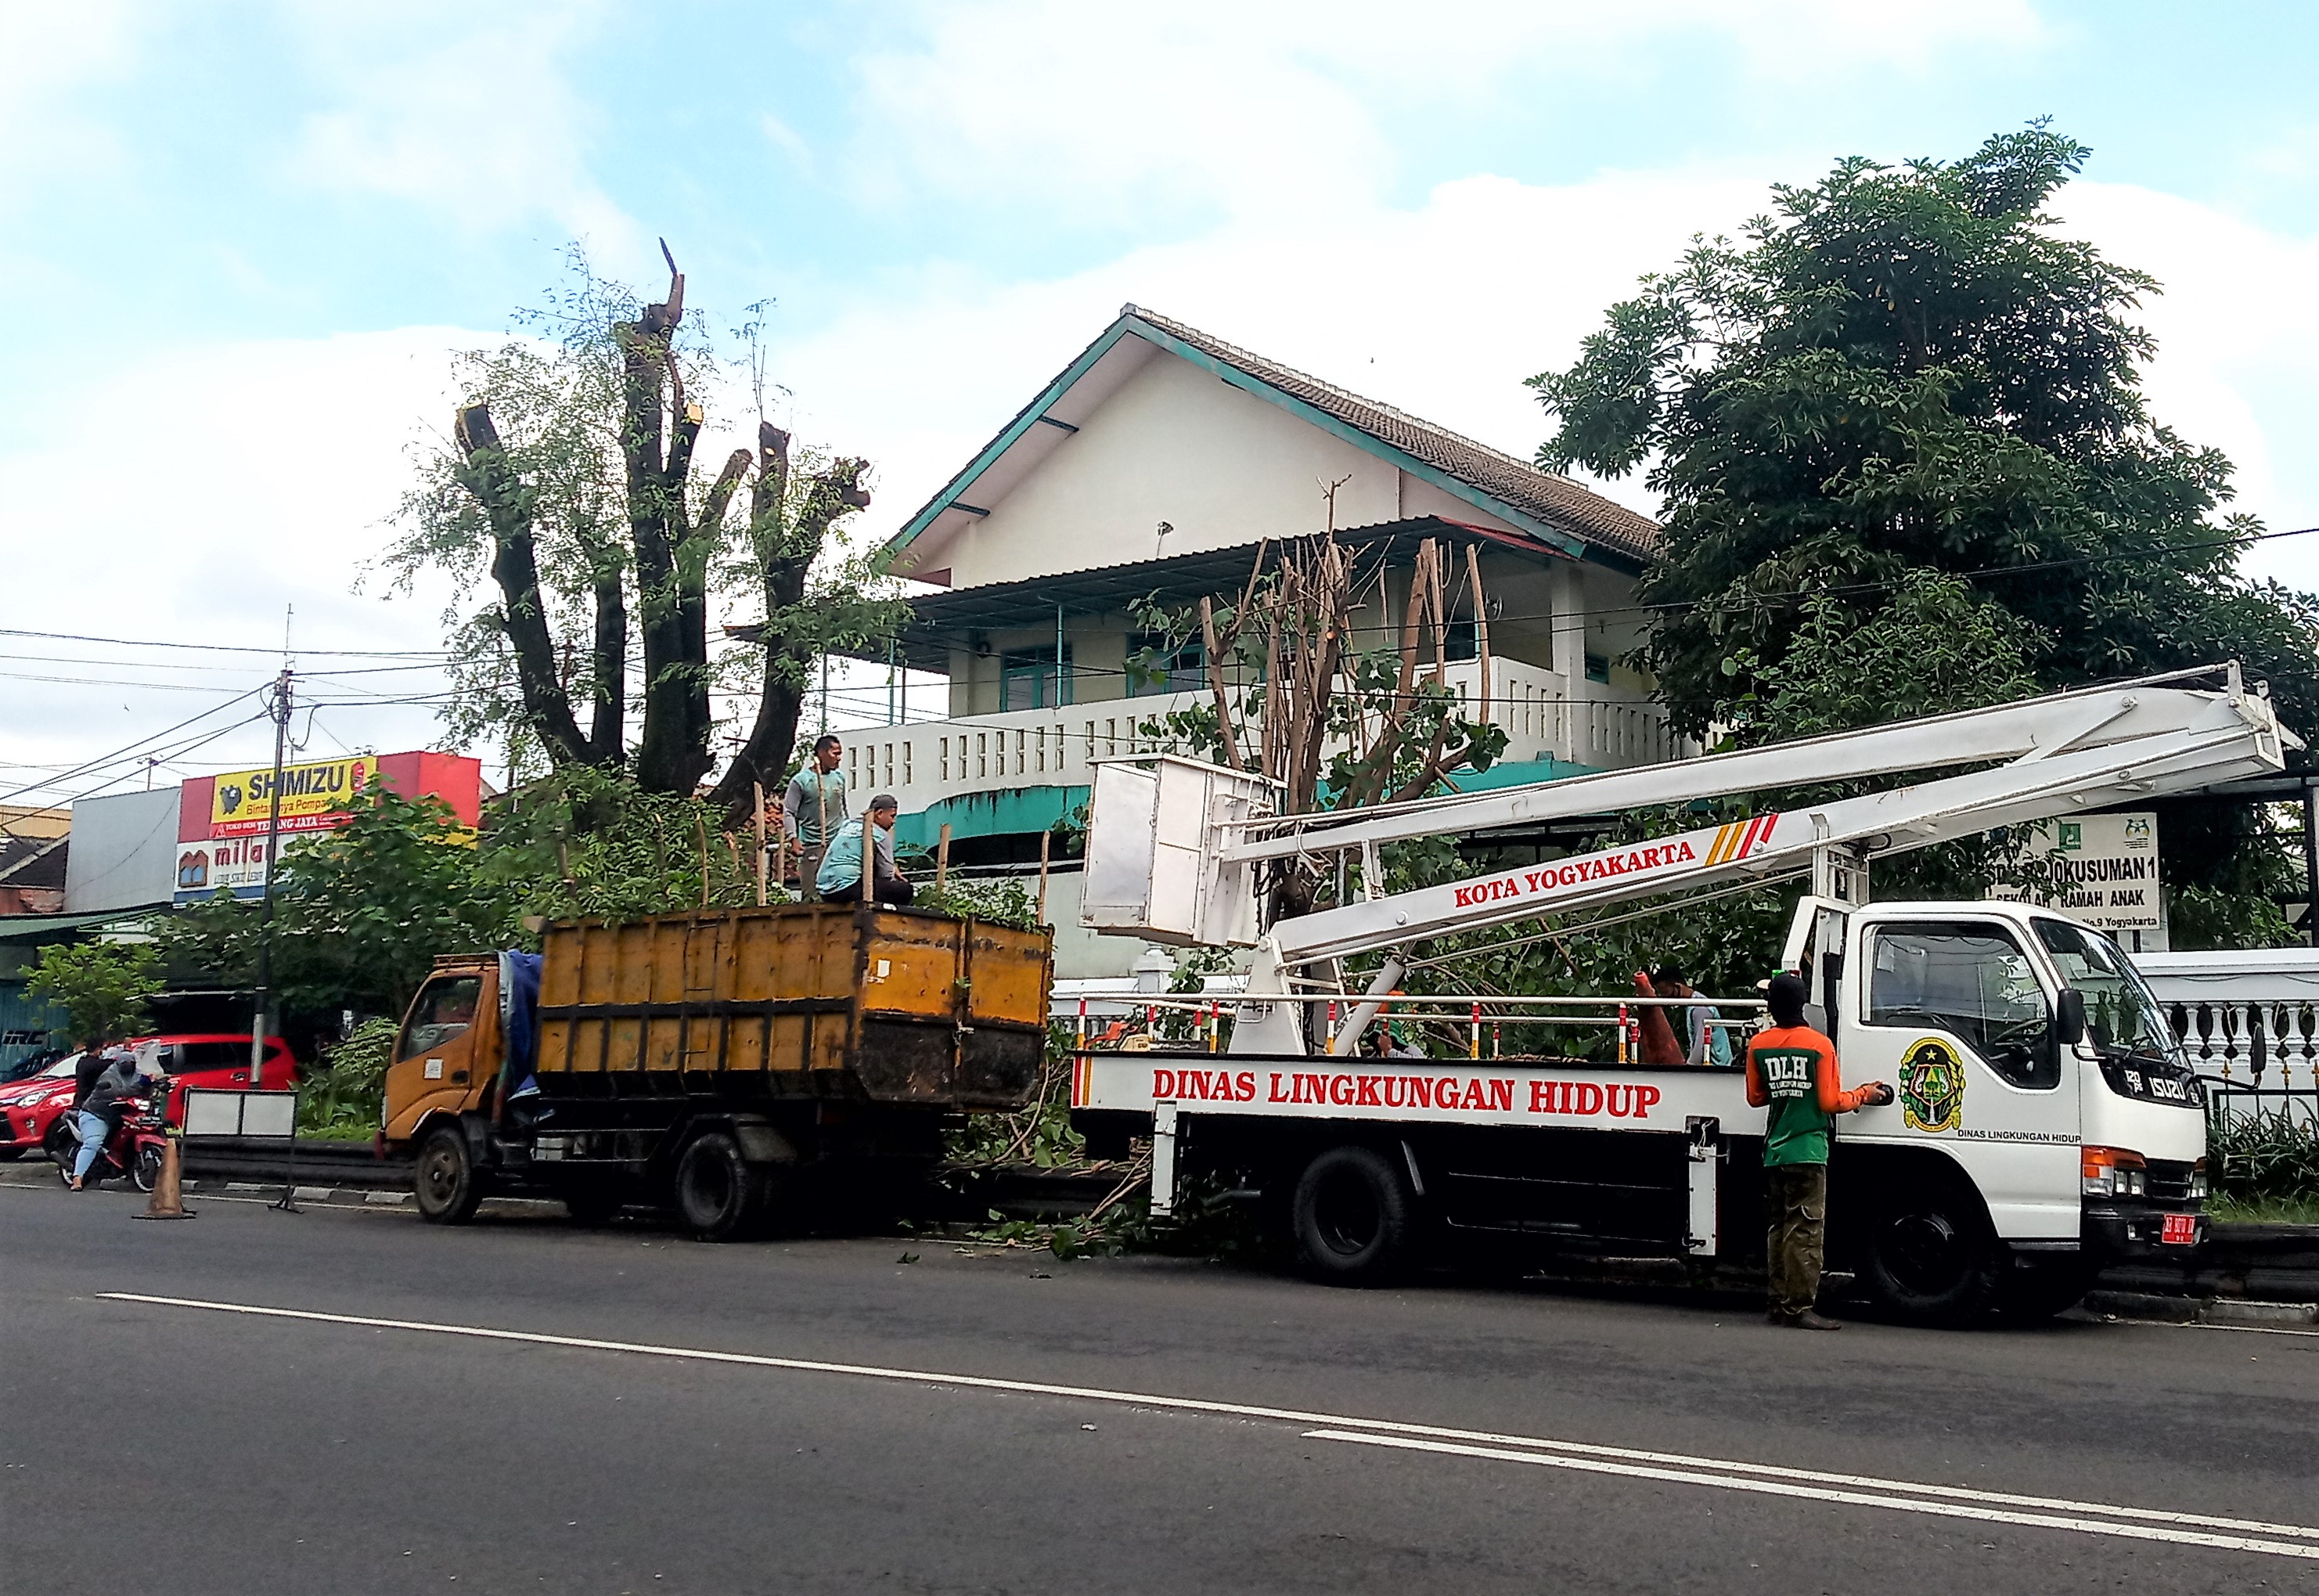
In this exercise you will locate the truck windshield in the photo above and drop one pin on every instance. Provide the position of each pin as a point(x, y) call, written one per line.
point(2122, 1015)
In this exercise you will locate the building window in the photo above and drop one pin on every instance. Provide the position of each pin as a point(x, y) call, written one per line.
point(982, 754)
point(1464, 642)
point(1598, 668)
point(1028, 680)
point(905, 765)
point(1153, 667)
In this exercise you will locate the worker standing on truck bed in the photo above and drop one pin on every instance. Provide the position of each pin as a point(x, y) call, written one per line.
point(1791, 1070)
point(813, 808)
point(862, 855)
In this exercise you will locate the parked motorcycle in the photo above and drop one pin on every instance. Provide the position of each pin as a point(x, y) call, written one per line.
point(140, 1140)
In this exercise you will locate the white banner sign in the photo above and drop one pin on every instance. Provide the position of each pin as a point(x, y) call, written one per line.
point(2101, 868)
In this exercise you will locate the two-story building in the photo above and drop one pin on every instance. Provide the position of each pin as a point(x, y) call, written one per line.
point(1154, 467)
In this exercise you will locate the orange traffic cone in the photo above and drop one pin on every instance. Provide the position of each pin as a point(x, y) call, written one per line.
point(168, 1199)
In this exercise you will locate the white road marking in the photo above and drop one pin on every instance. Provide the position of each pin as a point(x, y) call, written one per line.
point(1944, 1509)
point(1911, 1495)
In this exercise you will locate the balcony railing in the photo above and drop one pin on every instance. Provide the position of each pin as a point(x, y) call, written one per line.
point(925, 762)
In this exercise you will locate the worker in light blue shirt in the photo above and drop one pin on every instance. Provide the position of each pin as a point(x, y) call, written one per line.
point(840, 876)
point(1705, 1043)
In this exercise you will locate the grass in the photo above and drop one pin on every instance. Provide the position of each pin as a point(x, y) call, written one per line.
point(2263, 1211)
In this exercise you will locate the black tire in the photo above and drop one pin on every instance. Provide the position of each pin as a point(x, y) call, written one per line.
point(720, 1196)
point(64, 1148)
point(1932, 1257)
point(1352, 1217)
point(444, 1180)
point(2047, 1286)
point(147, 1170)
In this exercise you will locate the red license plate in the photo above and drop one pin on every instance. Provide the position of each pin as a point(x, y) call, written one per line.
point(2180, 1230)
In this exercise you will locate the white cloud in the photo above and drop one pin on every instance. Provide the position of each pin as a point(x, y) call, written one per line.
point(191, 495)
point(2236, 347)
point(474, 118)
point(1443, 310)
point(47, 54)
point(1110, 113)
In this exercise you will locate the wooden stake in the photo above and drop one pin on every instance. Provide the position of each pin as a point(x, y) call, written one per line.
point(941, 859)
point(1045, 839)
point(761, 883)
point(1480, 626)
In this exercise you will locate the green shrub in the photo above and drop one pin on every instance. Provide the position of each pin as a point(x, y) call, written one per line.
point(2269, 1156)
point(346, 1093)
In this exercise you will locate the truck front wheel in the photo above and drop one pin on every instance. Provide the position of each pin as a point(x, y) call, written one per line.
point(445, 1181)
point(720, 1196)
point(1932, 1257)
point(1352, 1217)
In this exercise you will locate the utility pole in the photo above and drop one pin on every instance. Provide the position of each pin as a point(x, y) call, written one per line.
point(261, 1020)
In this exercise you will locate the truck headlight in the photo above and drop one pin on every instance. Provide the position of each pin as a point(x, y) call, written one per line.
point(2111, 1172)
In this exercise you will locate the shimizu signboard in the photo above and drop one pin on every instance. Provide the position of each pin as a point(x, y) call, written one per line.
point(312, 796)
point(2101, 868)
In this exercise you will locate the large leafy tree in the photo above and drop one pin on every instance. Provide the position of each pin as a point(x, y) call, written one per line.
point(1904, 370)
point(1907, 466)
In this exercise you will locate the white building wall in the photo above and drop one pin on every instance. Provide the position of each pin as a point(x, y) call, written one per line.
point(1175, 444)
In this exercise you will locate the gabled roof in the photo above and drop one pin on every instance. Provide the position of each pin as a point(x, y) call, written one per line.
point(1553, 508)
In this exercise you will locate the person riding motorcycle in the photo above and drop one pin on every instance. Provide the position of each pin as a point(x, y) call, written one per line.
point(106, 1098)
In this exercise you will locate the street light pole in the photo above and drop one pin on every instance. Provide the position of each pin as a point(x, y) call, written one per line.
point(260, 1022)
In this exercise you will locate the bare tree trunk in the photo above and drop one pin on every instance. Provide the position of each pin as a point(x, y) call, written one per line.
point(484, 471)
point(785, 551)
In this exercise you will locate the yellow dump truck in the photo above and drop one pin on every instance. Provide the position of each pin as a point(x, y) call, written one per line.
point(712, 1061)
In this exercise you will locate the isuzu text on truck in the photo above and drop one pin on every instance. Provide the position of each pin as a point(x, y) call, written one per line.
point(2044, 1121)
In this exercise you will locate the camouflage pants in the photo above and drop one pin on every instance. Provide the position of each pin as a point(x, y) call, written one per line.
point(1795, 1205)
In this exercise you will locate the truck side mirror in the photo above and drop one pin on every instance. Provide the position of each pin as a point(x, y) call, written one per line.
point(2070, 1018)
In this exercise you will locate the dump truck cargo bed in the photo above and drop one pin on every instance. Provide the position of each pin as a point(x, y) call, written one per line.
point(880, 1005)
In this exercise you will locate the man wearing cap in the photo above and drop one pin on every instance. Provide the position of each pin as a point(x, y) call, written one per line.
point(842, 867)
point(1792, 1072)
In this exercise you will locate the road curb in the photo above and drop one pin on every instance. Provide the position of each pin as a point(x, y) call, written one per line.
point(2153, 1308)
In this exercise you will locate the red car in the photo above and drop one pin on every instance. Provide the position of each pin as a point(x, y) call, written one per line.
point(30, 1109)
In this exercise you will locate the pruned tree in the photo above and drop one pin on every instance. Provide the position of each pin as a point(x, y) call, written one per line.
point(572, 474)
point(1332, 723)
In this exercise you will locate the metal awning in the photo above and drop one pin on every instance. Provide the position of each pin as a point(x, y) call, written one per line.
point(941, 621)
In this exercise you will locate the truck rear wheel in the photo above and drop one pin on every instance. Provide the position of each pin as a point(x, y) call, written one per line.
point(720, 1196)
point(446, 1182)
point(1352, 1217)
point(1932, 1257)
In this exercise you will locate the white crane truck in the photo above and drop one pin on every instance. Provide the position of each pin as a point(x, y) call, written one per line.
point(2046, 1122)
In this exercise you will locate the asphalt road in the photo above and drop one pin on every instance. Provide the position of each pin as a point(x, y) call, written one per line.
point(876, 1426)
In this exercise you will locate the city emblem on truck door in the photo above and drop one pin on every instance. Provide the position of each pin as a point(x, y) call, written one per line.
point(1932, 1087)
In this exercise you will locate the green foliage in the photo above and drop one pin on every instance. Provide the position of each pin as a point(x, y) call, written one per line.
point(360, 912)
point(1906, 368)
point(1906, 465)
point(344, 1094)
point(2271, 1156)
point(102, 986)
point(1003, 900)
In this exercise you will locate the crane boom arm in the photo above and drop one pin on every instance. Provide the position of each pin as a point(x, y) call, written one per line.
point(1780, 844)
point(2034, 730)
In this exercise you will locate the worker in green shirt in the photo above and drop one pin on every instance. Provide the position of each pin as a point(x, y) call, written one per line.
point(1792, 1072)
point(813, 809)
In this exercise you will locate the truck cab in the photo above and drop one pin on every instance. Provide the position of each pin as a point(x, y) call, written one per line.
point(2033, 1071)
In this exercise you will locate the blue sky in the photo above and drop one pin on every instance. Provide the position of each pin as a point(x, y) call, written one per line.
point(241, 238)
